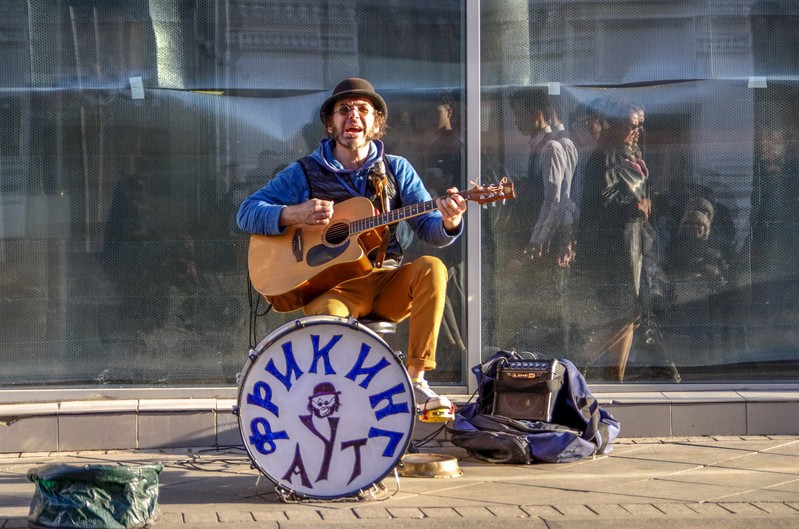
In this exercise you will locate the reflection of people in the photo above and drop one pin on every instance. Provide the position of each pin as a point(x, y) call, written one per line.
point(653, 273)
point(697, 274)
point(615, 208)
point(546, 170)
point(443, 145)
point(775, 214)
point(442, 170)
point(565, 212)
point(539, 208)
point(129, 256)
point(691, 253)
point(307, 191)
point(585, 128)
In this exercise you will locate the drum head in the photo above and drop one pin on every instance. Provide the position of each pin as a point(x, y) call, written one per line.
point(325, 407)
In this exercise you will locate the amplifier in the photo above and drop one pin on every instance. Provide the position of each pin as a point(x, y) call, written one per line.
point(528, 389)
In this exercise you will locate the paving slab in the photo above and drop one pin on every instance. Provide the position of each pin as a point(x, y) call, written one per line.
point(700, 482)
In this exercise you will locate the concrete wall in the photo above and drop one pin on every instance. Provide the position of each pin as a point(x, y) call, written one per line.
point(153, 423)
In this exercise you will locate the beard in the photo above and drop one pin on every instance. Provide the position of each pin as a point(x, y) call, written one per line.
point(353, 141)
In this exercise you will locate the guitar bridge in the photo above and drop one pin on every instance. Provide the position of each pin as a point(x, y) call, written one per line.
point(296, 245)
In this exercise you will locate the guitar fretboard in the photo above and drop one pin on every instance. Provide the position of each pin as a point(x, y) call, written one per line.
point(396, 215)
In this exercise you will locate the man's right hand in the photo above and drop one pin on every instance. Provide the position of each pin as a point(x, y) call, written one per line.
point(314, 211)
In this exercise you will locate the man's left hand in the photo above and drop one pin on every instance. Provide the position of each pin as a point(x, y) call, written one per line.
point(452, 207)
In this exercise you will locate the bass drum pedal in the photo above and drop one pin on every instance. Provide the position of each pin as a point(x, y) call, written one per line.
point(436, 414)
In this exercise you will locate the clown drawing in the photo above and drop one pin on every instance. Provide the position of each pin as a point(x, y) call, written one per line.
point(322, 404)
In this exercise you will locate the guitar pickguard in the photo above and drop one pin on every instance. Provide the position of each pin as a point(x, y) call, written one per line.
point(321, 254)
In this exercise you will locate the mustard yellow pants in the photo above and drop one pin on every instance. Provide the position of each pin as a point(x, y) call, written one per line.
point(417, 289)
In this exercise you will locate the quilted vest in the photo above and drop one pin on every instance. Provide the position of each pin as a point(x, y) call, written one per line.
point(325, 185)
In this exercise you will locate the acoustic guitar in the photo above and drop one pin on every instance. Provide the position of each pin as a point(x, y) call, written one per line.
point(292, 269)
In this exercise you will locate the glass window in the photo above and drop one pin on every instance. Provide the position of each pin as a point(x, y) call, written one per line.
point(131, 131)
point(660, 253)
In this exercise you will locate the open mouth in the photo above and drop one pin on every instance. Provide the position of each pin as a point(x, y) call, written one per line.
point(353, 126)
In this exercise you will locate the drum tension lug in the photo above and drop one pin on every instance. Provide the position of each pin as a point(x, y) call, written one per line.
point(235, 410)
point(253, 354)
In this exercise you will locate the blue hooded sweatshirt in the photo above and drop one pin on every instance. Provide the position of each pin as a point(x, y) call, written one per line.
point(260, 212)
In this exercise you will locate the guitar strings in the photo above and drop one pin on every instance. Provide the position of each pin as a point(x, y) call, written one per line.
point(340, 231)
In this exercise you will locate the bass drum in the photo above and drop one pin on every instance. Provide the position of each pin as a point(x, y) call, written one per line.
point(325, 407)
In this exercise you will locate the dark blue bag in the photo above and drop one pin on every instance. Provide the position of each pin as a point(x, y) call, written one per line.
point(579, 426)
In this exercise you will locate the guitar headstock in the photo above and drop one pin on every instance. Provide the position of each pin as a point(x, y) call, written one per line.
point(483, 194)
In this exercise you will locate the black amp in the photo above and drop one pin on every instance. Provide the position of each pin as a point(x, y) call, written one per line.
point(527, 389)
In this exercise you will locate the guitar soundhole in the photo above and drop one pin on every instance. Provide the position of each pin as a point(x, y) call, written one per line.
point(337, 234)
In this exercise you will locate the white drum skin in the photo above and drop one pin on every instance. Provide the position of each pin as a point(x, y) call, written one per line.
point(325, 407)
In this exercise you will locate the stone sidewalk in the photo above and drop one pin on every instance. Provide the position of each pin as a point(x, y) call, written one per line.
point(706, 482)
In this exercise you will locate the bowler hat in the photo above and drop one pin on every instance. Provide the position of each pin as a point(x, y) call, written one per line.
point(324, 388)
point(353, 87)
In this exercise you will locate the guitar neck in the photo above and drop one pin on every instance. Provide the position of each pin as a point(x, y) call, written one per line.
point(395, 215)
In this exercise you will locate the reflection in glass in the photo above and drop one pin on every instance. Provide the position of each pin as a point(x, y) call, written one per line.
point(120, 261)
point(715, 298)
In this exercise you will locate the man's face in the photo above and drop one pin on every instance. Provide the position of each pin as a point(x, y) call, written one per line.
point(444, 113)
point(771, 150)
point(586, 131)
point(594, 126)
point(353, 123)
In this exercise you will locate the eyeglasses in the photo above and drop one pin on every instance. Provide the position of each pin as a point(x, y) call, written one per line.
point(344, 110)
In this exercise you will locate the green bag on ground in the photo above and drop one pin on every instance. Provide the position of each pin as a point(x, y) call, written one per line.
point(94, 496)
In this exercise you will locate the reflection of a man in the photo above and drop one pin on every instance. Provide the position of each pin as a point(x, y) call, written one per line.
point(142, 258)
point(775, 240)
point(538, 208)
point(128, 248)
point(546, 165)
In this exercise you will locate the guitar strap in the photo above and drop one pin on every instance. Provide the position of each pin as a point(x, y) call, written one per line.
point(380, 183)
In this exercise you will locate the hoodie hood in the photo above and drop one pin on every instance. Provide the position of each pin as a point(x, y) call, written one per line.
point(324, 155)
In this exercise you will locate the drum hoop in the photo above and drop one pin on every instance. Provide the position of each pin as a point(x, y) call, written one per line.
point(270, 339)
point(307, 321)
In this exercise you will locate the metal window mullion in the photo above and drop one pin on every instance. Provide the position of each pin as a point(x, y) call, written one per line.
point(473, 230)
